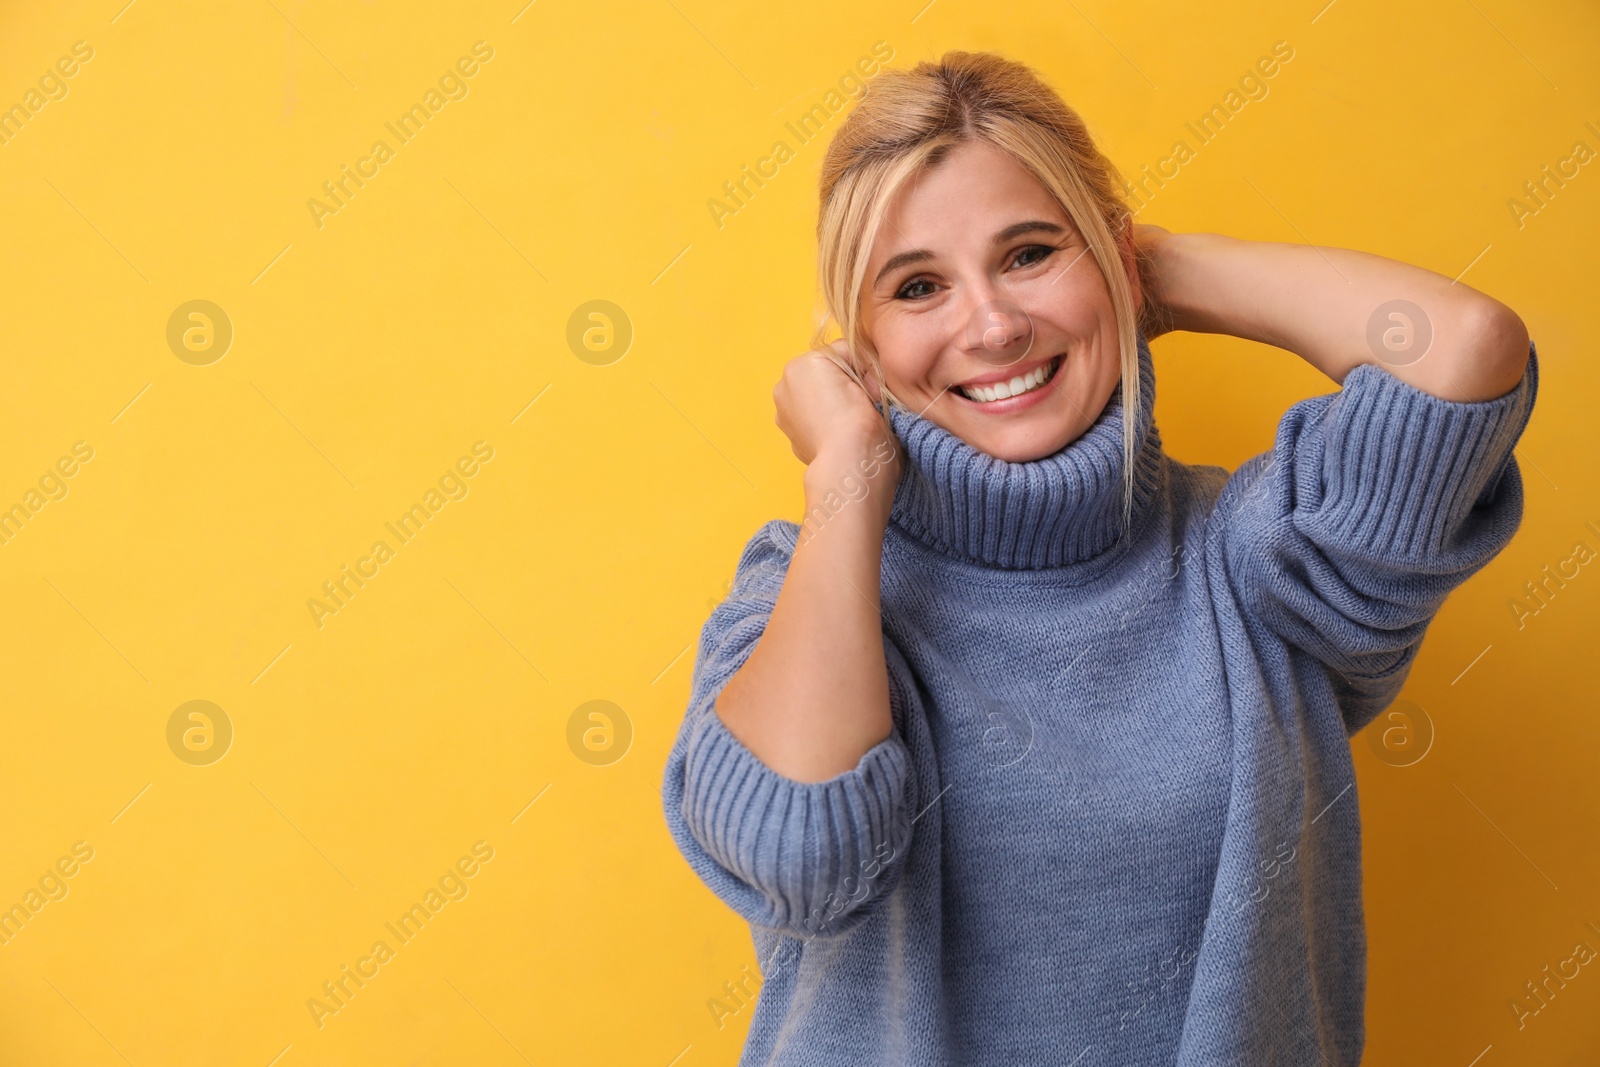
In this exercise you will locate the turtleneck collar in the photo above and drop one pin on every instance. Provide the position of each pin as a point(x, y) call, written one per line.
point(1063, 509)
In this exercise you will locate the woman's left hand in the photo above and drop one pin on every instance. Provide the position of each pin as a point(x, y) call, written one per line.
point(1155, 318)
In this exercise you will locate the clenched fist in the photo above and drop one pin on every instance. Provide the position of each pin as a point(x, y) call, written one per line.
point(831, 422)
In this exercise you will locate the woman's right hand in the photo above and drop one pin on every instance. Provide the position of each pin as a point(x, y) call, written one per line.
point(824, 412)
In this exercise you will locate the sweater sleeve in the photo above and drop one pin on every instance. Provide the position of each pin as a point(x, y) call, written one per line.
point(1373, 505)
point(809, 858)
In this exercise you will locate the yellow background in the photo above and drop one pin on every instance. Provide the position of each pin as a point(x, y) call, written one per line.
point(373, 351)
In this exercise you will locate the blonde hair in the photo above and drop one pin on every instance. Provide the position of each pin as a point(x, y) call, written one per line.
point(910, 120)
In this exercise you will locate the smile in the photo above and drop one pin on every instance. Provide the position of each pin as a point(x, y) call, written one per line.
point(1017, 386)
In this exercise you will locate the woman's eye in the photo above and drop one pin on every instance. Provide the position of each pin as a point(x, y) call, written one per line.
point(915, 289)
point(1031, 255)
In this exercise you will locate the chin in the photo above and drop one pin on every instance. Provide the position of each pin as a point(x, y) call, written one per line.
point(1024, 444)
point(1022, 436)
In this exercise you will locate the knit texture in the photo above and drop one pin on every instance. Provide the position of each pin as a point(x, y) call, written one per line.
point(1116, 819)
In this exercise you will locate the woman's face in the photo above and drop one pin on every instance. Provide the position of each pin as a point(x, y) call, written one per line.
point(979, 284)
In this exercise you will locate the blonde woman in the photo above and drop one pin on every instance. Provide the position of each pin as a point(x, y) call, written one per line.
point(1030, 744)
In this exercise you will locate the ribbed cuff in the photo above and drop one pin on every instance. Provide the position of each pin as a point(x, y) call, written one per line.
point(1402, 468)
point(797, 842)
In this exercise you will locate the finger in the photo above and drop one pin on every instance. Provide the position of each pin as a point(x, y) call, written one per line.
point(866, 380)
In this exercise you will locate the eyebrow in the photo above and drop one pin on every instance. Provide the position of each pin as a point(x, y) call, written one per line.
point(1015, 230)
point(1031, 226)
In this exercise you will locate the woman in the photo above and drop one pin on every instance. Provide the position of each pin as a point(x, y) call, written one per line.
point(1031, 744)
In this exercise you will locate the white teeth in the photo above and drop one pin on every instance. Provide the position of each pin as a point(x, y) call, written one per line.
point(1022, 383)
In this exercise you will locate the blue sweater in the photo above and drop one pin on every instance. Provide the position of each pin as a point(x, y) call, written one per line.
point(1115, 822)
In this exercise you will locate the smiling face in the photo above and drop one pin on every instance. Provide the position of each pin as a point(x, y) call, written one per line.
point(988, 312)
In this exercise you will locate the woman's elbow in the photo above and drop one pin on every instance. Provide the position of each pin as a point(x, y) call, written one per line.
point(1496, 350)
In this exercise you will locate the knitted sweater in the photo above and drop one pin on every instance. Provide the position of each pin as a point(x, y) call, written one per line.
point(1115, 821)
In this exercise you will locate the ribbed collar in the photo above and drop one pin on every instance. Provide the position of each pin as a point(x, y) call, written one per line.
point(1065, 508)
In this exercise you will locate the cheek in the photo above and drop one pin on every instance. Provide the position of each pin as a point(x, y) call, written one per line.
point(909, 346)
point(1073, 304)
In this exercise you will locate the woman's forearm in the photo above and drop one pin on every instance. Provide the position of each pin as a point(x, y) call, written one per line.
point(813, 697)
point(1336, 308)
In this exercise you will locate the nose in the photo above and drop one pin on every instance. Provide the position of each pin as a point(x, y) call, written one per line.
point(997, 331)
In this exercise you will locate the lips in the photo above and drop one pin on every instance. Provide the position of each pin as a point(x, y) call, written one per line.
point(992, 390)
